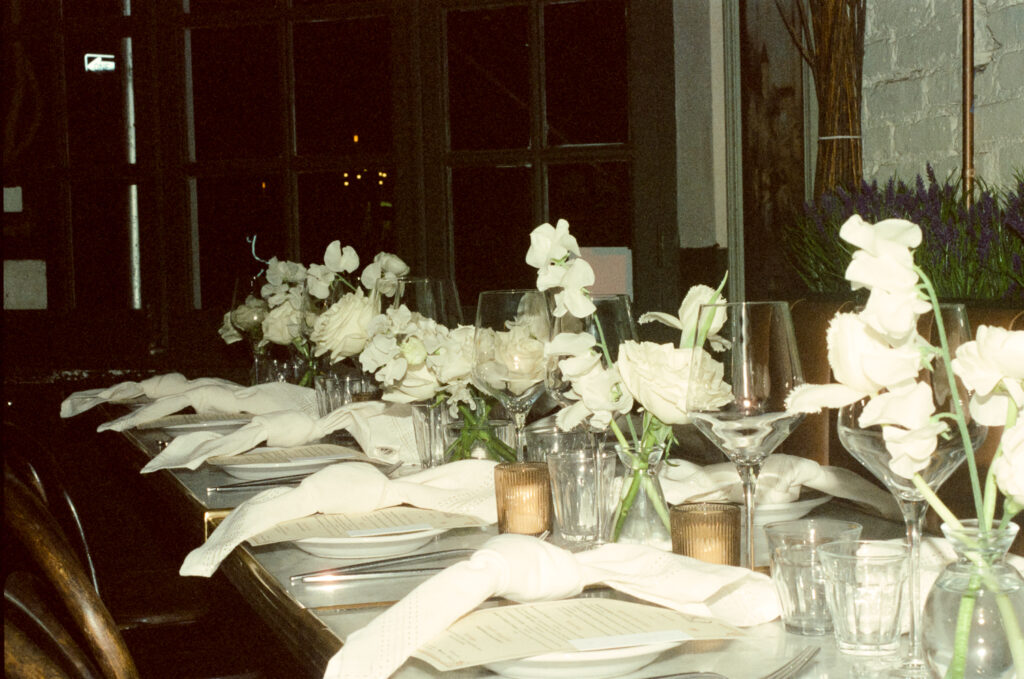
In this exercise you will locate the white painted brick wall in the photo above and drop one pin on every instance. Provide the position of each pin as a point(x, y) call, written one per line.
point(912, 90)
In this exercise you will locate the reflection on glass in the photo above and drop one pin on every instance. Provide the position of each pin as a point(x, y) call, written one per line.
point(595, 199)
point(230, 210)
point(489, 78)
point(236, 92)
point(353, 206)
point(585, 78)
point(492, 224)
point(343, 86)
point(98, 98)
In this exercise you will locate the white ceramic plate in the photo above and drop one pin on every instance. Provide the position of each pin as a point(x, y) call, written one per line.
point(609, 662)
point(367, 547)
point(179, 425)
point(788, 511)
point(248, 471)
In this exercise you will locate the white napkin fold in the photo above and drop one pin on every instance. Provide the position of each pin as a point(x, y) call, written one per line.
point(257, 399)
point(463, 487)
point(282, 429)
point(152, 387)
point(386, 433)
point(780, 481)
point(526, 569)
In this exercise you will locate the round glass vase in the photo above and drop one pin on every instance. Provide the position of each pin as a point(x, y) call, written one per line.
point(972, 617)
point(641, 515)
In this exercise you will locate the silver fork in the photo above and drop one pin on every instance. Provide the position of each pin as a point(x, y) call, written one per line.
point(787, 671)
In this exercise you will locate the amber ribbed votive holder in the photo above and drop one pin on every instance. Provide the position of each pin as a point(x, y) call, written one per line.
point(708, 531)
point(523, 493)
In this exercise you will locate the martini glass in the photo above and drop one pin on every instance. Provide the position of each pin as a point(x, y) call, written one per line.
point(755, 357)
point(511, 330)
point(868, 447)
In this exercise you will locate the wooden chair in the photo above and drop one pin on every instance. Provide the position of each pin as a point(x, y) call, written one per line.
point(93, 644)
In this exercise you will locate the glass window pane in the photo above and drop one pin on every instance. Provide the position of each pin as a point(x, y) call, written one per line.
point(236, 92)
point(28, 99)
point(100, 244)
point(489, 78)
point(230, 210)
point(343, 86)
point(595, 199)
point(355, 207)
point(95, 8)
point(97, 79)
point(585, 59)
point(17, 12)
point(201, 6)
point(491, 214)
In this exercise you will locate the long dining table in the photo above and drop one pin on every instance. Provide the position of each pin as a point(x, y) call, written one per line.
point(313, 620)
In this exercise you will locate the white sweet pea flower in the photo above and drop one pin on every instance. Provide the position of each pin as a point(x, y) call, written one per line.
point(417, 384)
point(600, 396)
point(894, 314)
point(686, 320)
point(1008, 468)
point(574, 298)
point(992, 366)
point(227, 330)
point(883, 238)
point(570, 344)
point(550, 243)
point(892, 271)
point(378, 352)
point(341, 330)
point(910, 406)
point(911, 449)
point(282, 324)
point(318, 280)
point(863, 364)
point(279, 272)
point(341, 260)
point(452, 361)
point(383, 273)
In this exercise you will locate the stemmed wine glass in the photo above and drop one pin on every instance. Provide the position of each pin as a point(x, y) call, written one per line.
point(512, 327)
point(867, 445)
point(756, 357)
point(611, 322)
point(434, 298)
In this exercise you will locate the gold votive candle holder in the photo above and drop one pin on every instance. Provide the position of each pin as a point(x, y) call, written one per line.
point(708, 531)
point(522, 491)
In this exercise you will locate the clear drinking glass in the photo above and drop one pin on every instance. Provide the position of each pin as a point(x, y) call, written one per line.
point(755, 353)
point(434, 298)
point(582, 490)
point(511, 330)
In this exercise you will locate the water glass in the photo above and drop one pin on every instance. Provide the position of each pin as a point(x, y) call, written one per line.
point(865, 585)
point(522, 491)
point(548, 439)
point(583, 493)
point(796, 570)
point(707, 531)
point(336, 390)
point(429, 421)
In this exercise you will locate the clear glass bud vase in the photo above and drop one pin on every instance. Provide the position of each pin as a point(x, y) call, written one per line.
point(973, 613)
point(641, 516)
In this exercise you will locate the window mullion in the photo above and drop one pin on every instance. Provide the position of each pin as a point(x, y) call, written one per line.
point(538, 113)
point(291, 181)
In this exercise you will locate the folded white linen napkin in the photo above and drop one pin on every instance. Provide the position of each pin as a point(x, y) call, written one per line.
point(152, 387)
point(780, 481)
point(463, 487)
point(525, 569)
point(281, 429)
point(386, 433)
point(257, 400)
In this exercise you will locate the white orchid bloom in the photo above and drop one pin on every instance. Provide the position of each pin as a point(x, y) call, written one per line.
point(992, 366)
point(1008, 468)
point(689, 310)
point(341, 260)
point(550, 243)
point(911, 449)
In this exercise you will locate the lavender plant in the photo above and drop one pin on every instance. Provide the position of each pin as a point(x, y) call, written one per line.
point(974, 252)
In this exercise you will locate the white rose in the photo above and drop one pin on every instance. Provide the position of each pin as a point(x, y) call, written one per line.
point(341, 260)
point(418, 384)
point(1008, 468)
point(341, 330)
point(282, 324)
point(512, 360)
point(658, 376)
point(249, 316)
point(414, 351)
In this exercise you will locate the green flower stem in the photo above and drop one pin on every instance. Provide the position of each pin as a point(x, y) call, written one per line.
point(964, 618)
point(626, 503)
point(937, 504)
